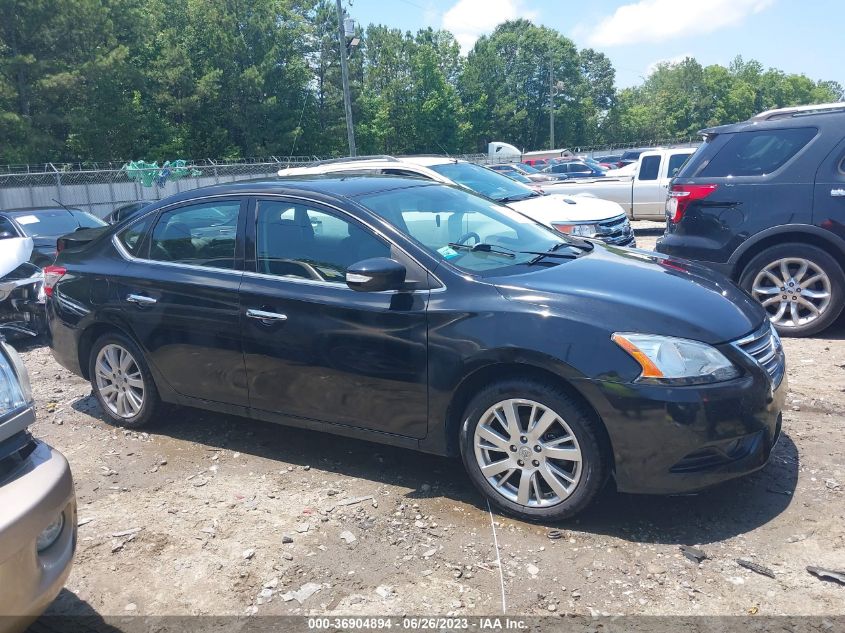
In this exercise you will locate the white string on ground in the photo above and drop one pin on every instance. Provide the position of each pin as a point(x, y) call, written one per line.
point(498, 559)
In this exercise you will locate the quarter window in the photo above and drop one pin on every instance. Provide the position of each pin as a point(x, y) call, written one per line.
point(132, 236)
point(757, 153)
point(294, 240)
point(200, 234)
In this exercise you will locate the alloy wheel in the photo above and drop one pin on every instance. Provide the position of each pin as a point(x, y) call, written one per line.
point(527, 453)
point(119, 381)
point(794, 291)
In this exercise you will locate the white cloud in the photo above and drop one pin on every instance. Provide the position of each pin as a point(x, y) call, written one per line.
point(660, 20)
point(469, 19)
point(671, 61)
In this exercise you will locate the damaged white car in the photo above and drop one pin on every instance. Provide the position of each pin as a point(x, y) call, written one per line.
point(21, 283)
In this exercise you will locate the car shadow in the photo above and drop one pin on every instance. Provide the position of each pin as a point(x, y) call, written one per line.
point(712, 515)
point(69, 612)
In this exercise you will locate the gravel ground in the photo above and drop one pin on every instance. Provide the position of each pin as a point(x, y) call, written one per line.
point(212, 514)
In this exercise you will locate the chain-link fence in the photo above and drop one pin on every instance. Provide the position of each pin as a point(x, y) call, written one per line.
point(99, 188)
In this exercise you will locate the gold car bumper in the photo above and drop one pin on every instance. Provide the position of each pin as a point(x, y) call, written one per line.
point(39, 489)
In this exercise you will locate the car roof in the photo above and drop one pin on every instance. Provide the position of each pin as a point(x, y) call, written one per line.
point(428, 161)
point(825, 118)
point(326, 185)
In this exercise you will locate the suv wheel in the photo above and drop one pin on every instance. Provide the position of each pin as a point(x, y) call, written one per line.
point(801, 287)
point(122, 381)
point(532, 450)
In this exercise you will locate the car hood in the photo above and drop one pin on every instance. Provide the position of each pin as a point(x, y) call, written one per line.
point(14, 251)
point(563, 208)
point(629, 290)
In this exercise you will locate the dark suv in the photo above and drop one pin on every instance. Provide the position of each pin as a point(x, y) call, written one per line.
point(763, 201)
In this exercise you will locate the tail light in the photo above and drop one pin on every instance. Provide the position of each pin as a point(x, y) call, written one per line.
point(680, 197)
point(52, 275)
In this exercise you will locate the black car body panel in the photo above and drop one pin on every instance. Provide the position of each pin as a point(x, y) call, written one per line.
point(398, 366)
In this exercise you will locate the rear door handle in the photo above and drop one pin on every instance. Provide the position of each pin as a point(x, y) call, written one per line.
point(141, 300)
point(262, 315)
point(837, 193)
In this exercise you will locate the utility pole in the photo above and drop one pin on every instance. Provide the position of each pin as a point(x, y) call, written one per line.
point(551, 105)
point(344, 70)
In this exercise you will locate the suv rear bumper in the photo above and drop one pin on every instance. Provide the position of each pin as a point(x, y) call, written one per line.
point(678, 246)
point(39, 490)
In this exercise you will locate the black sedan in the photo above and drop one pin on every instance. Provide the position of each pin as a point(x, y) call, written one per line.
point(46, 224)
point(424, 316)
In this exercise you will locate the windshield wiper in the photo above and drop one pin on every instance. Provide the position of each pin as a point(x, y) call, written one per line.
point(517, 198)
point(552, 253)
point(483, 247)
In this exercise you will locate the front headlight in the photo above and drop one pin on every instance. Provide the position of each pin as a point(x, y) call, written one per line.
point(15, 390)
point(582, 230)
point(676, 361)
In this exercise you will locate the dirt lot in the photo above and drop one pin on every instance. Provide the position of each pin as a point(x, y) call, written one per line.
point(209, 514)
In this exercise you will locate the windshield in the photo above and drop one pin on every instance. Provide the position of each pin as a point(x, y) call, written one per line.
point(436, 216)
point(528, 169)
point(484, 181)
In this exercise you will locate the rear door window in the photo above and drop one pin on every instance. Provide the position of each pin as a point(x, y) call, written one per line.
point(676, 161)
point(199, 234)
point(757, 153)
point(649, 168)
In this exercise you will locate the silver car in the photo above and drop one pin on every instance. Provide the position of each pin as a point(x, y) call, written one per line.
point(37, 505)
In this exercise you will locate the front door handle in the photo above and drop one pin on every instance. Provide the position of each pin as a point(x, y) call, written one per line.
point(837, 193)
point(141, 300)
point(263, 315)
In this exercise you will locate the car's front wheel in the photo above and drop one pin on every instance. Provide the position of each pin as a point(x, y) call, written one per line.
point(533, 450)
point(801, 287)
point(122, 381)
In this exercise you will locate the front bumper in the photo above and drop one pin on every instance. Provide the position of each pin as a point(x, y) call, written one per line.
point(32, 496)
point(670, 440)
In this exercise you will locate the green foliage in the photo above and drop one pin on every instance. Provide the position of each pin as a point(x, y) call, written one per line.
point(84, 80)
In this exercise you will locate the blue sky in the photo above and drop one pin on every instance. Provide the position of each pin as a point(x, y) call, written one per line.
point(801, 37)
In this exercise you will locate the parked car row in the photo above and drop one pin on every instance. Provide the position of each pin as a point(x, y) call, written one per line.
point(438, 305)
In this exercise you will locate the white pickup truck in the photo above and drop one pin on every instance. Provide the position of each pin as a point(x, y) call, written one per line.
point(643, 194)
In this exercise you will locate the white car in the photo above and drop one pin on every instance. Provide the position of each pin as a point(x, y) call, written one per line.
point(582, 215)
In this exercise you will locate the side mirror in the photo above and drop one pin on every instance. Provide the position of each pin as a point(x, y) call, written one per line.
point(375, 275)
point(5, 234)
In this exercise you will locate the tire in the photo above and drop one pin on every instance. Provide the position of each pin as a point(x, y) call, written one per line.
point(135, 379)
point(828, 292)
point(545, 502)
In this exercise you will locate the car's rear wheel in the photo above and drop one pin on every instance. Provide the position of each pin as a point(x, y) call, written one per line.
point(801, 287)
point(533, 450)
point(122, 381)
